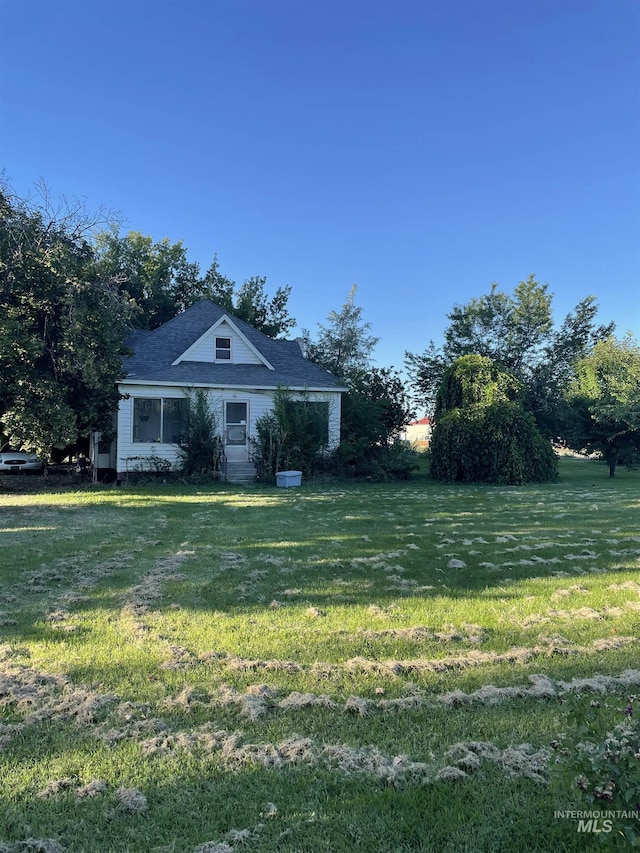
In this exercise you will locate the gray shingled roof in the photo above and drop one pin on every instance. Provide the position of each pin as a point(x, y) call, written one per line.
point(154, 354)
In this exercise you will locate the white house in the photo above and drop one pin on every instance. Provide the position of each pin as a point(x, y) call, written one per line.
point(238, 366)
point(418, 433)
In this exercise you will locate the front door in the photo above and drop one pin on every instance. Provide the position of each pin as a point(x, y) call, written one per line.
point(235, 431)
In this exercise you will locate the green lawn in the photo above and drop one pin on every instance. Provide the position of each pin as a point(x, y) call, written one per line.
point(327, 668)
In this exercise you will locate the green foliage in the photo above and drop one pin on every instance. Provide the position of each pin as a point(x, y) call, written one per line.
point(155, 277)
point(425, 372)
point(600, 767)
point(376, 407)
point(604, 402)
point(475, 380)
point(249, 302)
point(496, 443)
point(509, 330)
point(267, 448)
point(62, 327)
point(482, 433)
point(294, 436)
point(203, 446)
point(359, 460)
point(160, 282)
point(517, 333)
point(344, 346)
point(269, 316)
point(374, 414)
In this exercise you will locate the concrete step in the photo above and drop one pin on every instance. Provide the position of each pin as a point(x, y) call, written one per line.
point(240, 472)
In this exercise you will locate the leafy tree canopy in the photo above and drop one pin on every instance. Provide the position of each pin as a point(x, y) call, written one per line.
point(476, 380)
point(249, 301)
point(604, 402)
point(517, 332)
point(62, 325)
point(376, 408)
point(160, 282)
point(156, 278)
point(511, 330)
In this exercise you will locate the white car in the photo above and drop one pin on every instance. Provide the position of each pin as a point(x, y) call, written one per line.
point(15, 461)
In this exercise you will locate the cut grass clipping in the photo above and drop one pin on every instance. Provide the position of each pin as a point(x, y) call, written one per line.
point(379, 667)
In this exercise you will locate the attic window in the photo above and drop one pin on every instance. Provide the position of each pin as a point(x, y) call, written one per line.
point(223, 349)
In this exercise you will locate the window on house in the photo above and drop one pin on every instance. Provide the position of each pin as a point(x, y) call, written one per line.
point(223, 349)
point(159, 420)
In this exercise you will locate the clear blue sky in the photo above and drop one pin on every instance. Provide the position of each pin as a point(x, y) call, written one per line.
point(420, 150)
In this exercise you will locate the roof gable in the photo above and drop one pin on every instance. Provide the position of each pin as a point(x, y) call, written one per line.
point(203, 349)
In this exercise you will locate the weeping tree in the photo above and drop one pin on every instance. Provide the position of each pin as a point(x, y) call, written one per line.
point(482, 431)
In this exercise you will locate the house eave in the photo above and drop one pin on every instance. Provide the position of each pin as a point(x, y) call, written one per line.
point(162, 384)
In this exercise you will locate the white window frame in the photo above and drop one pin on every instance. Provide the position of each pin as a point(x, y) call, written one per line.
point(223, 349)
point(162, 400)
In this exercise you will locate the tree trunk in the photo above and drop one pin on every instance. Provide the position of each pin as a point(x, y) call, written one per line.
point(613, 461)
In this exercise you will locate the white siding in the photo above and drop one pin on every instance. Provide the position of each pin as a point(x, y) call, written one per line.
point(135, 455)
point(204, 349)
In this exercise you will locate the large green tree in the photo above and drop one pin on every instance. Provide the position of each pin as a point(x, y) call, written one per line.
point(482, 431)
point(62, 326)
point(604, 402)
point(155, 277)
point(517, 332)
point(160, 282)
point(344, 345)
point(375, 408)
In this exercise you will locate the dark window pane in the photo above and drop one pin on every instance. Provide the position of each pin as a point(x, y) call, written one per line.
point(236, 413)
point(173, 422)
point(223, 349)
point(146, 419)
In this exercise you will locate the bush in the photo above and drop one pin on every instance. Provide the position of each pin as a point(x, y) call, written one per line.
point(487, 436)
point(359, 460)
point(202, 449)
point(476, 380)
point(499, 443)
point(294, 436)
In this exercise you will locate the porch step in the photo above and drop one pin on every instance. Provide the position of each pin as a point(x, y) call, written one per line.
point(240, 472)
